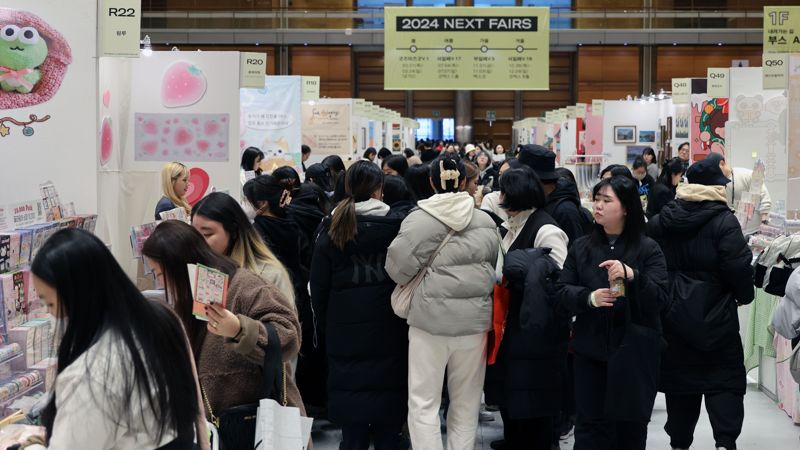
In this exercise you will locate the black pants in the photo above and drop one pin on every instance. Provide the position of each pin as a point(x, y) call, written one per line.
point(725, 410)
point(527, 434)
point(358, 437)
point(593, 431)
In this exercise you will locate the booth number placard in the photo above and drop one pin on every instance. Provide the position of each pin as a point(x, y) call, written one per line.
point(120, 27)
point(467, 48)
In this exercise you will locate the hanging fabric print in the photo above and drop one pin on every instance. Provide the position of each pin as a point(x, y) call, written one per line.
point(181, 137)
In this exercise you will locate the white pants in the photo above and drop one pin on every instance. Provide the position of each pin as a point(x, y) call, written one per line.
point(465, 360)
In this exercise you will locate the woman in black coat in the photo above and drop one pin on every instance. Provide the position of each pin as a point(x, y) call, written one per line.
point(663, 191)
point(367, 344)
point(709, 267)
point(526, 379)
point(615, 384)
point(277, 224)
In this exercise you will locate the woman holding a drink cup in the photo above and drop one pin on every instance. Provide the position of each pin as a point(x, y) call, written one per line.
point(614, 282)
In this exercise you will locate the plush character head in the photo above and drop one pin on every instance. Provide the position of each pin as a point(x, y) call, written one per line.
point(21, 47)
point(34, 73)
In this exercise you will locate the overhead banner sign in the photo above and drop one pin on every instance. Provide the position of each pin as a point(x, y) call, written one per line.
point(775, 71)
point(120, 27)
point(718, 82)
point(681, 91)
point(466, 48)
point(781, 29)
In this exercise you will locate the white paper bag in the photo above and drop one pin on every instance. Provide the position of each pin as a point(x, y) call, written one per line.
point(281, 427)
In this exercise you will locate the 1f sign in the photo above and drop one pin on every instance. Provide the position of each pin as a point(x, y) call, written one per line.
point(120, 27)
point(779, 17)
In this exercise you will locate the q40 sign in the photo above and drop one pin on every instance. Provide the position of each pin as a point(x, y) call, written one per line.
point(467, 48)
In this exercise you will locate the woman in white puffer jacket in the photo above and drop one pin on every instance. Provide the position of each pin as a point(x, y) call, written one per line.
point(451, 310)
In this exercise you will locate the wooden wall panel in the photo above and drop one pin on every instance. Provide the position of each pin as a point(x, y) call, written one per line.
point(498, 133)
point(428, 103)
point(562, 66)
point(332, 64)
point(690, 62)
point(369, 73)
point(607, 73)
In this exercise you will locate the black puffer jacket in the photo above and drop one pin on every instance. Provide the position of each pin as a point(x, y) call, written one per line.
point(534, 348)
point(598, 331)
point(367, 344)
point(564, 205)
point(660, 195)
point(702, 240)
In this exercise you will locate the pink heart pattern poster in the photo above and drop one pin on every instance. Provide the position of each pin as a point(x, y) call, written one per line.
point(181, 137)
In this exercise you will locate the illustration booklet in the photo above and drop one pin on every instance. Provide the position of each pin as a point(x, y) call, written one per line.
point(209, 287)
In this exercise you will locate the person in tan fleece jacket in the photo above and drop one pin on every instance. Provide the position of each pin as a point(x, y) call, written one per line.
point(229, 349)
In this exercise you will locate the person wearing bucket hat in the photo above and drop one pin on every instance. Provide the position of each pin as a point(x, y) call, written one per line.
point(708, 261)
point(563, 200)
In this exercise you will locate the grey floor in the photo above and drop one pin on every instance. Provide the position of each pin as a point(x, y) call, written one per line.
point(765, 428)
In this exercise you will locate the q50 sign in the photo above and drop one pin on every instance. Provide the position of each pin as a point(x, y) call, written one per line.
point(467, 48)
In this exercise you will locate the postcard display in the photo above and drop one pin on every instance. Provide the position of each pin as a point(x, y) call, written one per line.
point(167, 106)
point(47, 132)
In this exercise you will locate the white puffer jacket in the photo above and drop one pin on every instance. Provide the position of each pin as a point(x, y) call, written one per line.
point(455, 298)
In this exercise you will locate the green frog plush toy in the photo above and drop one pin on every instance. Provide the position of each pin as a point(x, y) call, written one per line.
point(22, 51)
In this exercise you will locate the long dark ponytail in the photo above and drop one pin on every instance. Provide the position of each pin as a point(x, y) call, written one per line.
point(97, 297)
point(361, 180)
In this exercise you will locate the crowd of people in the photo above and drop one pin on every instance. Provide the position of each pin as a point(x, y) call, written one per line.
point(521, 299)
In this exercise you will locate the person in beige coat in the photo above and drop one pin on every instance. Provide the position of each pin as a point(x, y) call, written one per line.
point(229, 348)
point(451, 310)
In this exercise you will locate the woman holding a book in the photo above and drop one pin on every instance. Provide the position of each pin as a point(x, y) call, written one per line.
point(229, 347)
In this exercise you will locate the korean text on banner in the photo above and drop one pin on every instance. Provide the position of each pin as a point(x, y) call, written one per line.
point(467, 48)
point(120, 27)
point(781, 29)
point(271, 120)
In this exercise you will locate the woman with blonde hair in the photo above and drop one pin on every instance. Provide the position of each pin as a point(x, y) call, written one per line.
point(174, 181)
point(226, 229)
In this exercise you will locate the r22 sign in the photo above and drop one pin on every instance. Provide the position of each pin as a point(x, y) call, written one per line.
point(122, 12)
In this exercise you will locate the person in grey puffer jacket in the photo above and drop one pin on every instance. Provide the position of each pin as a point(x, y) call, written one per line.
point(786, 319)
point(451, 311)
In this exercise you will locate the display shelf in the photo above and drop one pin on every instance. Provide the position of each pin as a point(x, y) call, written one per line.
point(12, 358)
point(4, 404)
